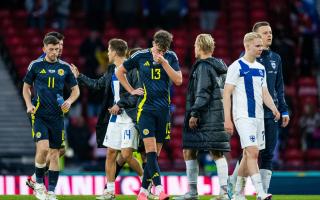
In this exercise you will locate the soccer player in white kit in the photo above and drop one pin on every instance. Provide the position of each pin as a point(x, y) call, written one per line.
point(246, 82)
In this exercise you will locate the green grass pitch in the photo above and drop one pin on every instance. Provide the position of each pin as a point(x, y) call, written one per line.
point(127, 197)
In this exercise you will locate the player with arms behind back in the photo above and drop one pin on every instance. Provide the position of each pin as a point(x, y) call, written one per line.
point(246, 82)
point(157, 67)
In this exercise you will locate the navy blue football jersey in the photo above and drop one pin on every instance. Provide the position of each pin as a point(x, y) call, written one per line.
point(48, 80)
point(154, 78)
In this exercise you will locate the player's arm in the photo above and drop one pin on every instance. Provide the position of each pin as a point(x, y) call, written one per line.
point(127, 100)
point(95, 84)
point(268, 101)
point(121, 75)
point(26, 92)
point(75, 93)
point(175, 76)
point(227, 92)
point(202, 94)
point(283, 107)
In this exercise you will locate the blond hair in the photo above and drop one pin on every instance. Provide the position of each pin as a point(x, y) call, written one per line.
point(250, 36)
point(205, 42)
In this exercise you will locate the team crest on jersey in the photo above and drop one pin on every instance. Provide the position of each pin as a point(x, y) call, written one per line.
point(43, 71)
point(146, 131)
point(273, 64)
point(147, 64)
point(61, 72)
point(252, 138)
point(38, 134)
point(261, 72)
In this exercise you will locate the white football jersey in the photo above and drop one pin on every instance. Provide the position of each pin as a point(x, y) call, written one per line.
point(123, 117)
point(248, 79)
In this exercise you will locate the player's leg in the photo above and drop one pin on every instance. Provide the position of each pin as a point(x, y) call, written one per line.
point(56, 139)
point(127, 154)
point(162, 134)
point(271, 137)
point(147, 128)
point(222, 170)
point(241, 179)
point(113, 142)
point(40, 134)
point(233, 178)
point(192, 170)
point(129, 142)
point(252, 154)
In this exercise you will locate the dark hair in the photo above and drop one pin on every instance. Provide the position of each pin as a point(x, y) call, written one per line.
point(132, 51)
point(50, 40)
point(163, 39)
point(257, 25)
point(119, 46)
point(55, 34)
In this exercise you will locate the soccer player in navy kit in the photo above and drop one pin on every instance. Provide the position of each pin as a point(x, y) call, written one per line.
point(157, 67)
point(47, 76)
point(32, 179)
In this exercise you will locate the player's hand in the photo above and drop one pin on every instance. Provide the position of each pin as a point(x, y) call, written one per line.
point(276, 114)
point(114, 110)
point(138, 91)
point(31, 109)
point(75, 70)
point(65, 107)
point(285, 121)
point(159, 58)
point(193, 122)
point(229, 127)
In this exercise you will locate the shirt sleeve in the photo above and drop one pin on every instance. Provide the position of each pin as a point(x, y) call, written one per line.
point(70, 79)
point(132, 62)
point(264, 82)
point(233, 74)
point(31, 74)
point(174, 62)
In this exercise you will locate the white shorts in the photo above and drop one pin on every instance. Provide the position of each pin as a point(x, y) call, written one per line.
point(121, 135)
point(251, 132)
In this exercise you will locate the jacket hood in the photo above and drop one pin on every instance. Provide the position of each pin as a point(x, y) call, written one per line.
point(218, 64)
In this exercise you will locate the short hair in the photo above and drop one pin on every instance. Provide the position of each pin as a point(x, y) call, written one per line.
point(55, 34)
point(119, 46)
point(251, 36)
point(50, 40)
point(257, 25)
point(163, 39)
point(205, 42)
point(132, 51)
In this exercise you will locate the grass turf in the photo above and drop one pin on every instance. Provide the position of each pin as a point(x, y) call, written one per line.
point(128, 197)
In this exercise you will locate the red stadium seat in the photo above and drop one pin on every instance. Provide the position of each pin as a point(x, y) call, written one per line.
point(293, 154)
point(294, 165)
point(313, 154)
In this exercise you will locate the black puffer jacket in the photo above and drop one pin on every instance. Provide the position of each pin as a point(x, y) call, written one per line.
point(204, 101)
point(126, 102)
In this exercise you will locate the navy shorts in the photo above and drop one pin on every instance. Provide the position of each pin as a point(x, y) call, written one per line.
point(48, 129)
point(154, 123)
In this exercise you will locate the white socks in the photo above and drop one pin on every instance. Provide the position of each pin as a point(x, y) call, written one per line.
point(240, 185)
point(256, 180)
point(110, 187)
point(222, 169)
point(233, 177)
point(192, 174)
point(159, 189)
point(265, 177)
